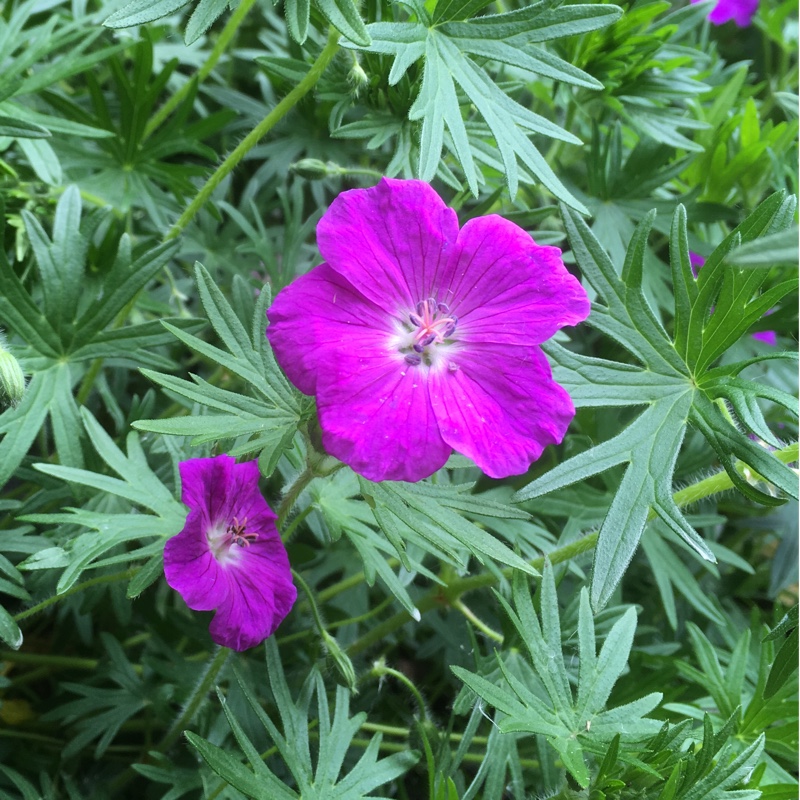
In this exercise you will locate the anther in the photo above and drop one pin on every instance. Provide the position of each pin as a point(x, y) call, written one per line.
point(431, 306)
point(412, 359)
point(418, 347)
point(415, 320)
point(429, 339)
point(444, 308)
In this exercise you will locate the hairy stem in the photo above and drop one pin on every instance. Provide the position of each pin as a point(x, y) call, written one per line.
point(221, 45)
point(252, 138)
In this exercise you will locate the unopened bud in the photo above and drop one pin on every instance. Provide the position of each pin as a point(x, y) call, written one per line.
point(342, 661)
point(311, 169)
point(12, 379)
point(357, 77)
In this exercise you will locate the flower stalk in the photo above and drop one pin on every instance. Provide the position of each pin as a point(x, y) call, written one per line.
point(261, 130)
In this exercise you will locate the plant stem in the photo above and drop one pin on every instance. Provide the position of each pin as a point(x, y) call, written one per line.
point(263, 127)
point(379, 669)
point(78, 587)
point(290, 498)
point(477, 621)
point(199, 694)
point(224, 39)
point(691, 494)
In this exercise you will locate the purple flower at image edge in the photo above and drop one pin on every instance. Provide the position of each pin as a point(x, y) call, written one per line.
point(229, 556)
point(768, 337)
point(740, 11)
point(418, 338)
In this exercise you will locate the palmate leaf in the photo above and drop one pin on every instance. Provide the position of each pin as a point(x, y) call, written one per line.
point(453, 47)
point(322, 782)
point(342, 14)
point(137, 485)
point(269, 416)
point(675, 383)
point(564, 720)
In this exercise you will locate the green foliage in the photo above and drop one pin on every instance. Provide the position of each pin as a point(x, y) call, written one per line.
point(446, 40)
point(564, 719)
point(156, 196)
point(676, 382)
point(334, 736)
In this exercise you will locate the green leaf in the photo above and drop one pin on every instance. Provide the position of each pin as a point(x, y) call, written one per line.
point(203, 17)
point(18, 128)
point(568, 724)
point(9, 630)
point(139, 12)
point(674, 392)
point(450, 49)
point(344, 16)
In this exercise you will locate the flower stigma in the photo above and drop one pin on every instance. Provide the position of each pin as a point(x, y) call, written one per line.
point(432, 323)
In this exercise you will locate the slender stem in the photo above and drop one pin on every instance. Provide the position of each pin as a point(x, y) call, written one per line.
point(263, 127)
point(221, 45)
point(477, 621)
point(45, 659)
point(379, 669)
point(199, 694)
point(290, 498)
point(78, 587)
point(311, 602)
point(292, 527)
point(691, 494)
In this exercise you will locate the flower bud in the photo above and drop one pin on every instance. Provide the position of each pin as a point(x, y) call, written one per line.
point(311, 169)
point(341, 660)
point(12, 379)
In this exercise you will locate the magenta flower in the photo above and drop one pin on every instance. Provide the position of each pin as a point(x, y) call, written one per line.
point(418, 338)
point(229, 556)
point(740, 11)
point(768, 337)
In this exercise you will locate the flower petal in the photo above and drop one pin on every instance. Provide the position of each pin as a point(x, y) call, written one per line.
point(191, 569)
point(316, 316)
point(262, 594)
point(376, 416)
point(391, 242)
point(501, 407)
point(506, 288)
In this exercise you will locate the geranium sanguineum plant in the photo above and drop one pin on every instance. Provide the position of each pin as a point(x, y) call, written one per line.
point(418, 338)
point(229, 556)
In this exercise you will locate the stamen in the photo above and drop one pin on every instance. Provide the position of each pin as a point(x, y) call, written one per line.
point(421, 309)
point(429, 339)
point(413, 360)
point(418, 347)
point(444, 308)
point(415, 320)
point(238, 533)
point(431, 306)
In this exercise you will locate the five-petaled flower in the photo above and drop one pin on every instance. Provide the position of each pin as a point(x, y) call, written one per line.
point(229, 555)
point(418, 338)
point(740, 11)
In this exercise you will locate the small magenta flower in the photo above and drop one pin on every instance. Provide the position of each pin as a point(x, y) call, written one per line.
point(768, 337)
point(229, 556)
point(740, 11)
point(418, 338)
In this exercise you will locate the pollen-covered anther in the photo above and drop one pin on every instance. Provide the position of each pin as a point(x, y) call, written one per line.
point(237, 531)
point(434, 324)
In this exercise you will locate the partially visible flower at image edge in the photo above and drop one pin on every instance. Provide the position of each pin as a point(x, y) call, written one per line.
point(418, 338)
point(740, 11)
point(229, 557)
point(768, 337)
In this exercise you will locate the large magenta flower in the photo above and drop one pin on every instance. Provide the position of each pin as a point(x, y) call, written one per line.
point(229, 556)
point(740, 11)
point(418, 338)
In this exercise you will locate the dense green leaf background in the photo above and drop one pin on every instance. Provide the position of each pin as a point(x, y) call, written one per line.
point(620, 622)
